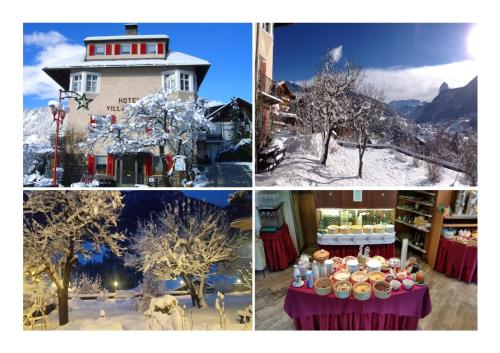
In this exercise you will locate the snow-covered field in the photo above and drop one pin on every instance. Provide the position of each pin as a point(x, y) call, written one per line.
point(121, 315)
point(381, 167)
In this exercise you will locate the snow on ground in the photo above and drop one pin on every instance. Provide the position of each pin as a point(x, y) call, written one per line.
point(121, 315)
point(381, 167)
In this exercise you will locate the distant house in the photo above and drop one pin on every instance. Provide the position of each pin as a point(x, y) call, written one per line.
point(219, 136)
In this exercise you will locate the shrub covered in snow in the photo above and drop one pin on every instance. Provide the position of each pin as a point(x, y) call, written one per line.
point(86, 284)
point(149, 288)
point(434, 172)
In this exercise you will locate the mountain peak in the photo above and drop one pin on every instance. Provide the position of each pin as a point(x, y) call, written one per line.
point(444, 86)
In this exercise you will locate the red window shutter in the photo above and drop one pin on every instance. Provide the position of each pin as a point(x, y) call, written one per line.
point(108, 49)
point(170, 161)
point(113, 119)
point(161, 48)
point(134, 48)
point(91, 49)
point(148, 161)
point(91, 164)
point(110, 170)
point(143, 48)
point(117, 49)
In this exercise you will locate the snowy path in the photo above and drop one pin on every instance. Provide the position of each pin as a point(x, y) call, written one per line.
point(121, 315)
point(382, 167)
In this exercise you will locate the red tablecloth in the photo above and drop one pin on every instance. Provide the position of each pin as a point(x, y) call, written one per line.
point(457, 260)
point(385, 250)
point(280, 251)
point(399, 312)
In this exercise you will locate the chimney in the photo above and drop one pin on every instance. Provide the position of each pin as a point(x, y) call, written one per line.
point(131, 29)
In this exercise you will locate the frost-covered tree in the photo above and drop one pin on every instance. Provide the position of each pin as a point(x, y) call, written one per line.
point(468, 157)
point(187, 240)
point(153, 122)
point(330, 97)
point(237, 122)
point(61, 226)
point(363, 111)
point(86, 284)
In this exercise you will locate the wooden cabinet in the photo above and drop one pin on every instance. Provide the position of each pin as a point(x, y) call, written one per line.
point(344, 199)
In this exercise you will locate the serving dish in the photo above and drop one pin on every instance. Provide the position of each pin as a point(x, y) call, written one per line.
point(376, 276)
point(362, 290)
point(359, 276)
point(395, 285)
point(408, 283)
point(341, 276)
point(323, 286)
point(382, 289)
point(342, 289)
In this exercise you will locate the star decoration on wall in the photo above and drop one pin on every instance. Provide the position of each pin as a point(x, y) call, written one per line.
point(83, 102)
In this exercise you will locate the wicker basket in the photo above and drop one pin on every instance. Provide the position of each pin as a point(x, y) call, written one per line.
point(321, 255)
point(342, 294)
point(323, 286)
point(362, 295)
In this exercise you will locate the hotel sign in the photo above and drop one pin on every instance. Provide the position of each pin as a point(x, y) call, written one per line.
point(121, 103)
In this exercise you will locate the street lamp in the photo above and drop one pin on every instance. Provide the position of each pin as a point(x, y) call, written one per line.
point(59, 113)
point(115, 283)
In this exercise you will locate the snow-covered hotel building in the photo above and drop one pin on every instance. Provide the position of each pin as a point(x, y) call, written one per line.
point(116, 71)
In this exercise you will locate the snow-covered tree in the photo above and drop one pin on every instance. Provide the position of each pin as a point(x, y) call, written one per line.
point(330, 97)
point(150, 287)
point(237, 122)
point(153, 122)
point(363, 112)
point(61, 226)
point(187, 239)
point(86, 284)
point(468, 157)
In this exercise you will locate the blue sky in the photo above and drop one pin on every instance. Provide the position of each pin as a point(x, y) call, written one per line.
point(397, 56)
point(217, 197)
point(228, 47)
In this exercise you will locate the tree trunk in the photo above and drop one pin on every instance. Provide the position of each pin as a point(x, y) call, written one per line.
point(361, 153)
point(62, 296)
point(201, 293)
point(164, 166)
point(326, 146)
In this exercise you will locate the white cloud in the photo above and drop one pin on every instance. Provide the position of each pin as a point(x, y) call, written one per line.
point(420, 82)
point(213, 103)
point(336, 53)
point(50, 47)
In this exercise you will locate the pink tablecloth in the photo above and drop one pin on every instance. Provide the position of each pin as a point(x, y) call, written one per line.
point(457, 260)
point(399, 312)
point(280, 251)
point(385, 250)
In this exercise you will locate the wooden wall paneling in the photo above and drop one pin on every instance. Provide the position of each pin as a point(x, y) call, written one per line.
point(432, 238)
point(307, 207)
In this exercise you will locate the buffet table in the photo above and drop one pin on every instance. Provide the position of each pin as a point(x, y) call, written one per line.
point(280, 251)
point(457, 260)
point(399, 312)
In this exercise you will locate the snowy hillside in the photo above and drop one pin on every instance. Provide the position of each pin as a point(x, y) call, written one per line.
point(382, 167)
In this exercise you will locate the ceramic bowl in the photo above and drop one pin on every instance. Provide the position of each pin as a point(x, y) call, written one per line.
point(408, 283)
point(364, 294)
point(342, 293)
point(323, 286)
point(382, 289)
point(395, 285)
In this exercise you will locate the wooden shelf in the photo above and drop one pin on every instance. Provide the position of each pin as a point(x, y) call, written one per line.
point(414, 211)
point(460, 216)
point(425, 192)
point(459, 225)
point(413, 246)
point(409, 199)
point(422, 229)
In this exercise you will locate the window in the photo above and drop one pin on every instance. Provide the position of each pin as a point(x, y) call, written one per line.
point(77, 83)
point(179, 81)
point(125, 49)
point(170, 81)
point(85, 82)
point(268, 27)
point(151, 48)
point(184, 78)
point(91, 83)
point(101, 164)
point(100, 49)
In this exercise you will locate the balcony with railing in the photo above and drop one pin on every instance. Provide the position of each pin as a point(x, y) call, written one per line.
point(268, 89)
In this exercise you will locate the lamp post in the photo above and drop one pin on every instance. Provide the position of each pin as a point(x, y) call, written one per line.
point(59, 113)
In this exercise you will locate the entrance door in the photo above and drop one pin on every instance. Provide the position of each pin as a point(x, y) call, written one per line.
point(128, 170)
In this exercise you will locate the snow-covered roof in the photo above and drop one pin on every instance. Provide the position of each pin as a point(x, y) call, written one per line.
point(126, 37)
point(59, 71)
point(174, 58)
